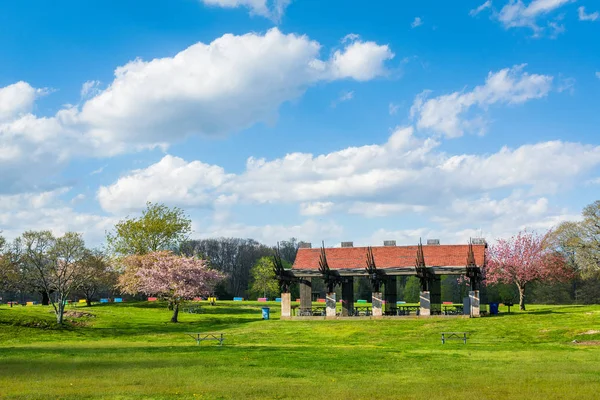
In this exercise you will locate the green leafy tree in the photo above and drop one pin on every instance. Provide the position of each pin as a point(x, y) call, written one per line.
point(263, 277)
point(159, 228)
point(412, 290)
point(579, 241)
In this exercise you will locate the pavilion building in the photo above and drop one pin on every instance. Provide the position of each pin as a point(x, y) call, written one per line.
point(381, 265)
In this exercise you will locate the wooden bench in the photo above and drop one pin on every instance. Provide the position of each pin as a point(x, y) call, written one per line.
point(199, 337)
point(454, 335)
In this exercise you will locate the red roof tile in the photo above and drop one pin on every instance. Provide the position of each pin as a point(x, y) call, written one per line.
point(389, 256)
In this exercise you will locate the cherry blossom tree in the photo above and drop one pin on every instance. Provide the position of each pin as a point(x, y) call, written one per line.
point(523, 259)
point(168, 276)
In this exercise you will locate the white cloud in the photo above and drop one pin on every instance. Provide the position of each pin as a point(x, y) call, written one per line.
point(90, 88)
point(393, 108)
point(316, 208)
point(171, 180)
point(487, 4)
point(344, 96)
point(587, 17)
point(17, 99)
point(403, 175)
point(361, 61)
point(516, 14)
point(416, 22)
point(225, 86)
point(446, 114)
point(598, 74)
point(273, 9)
point(45, 211)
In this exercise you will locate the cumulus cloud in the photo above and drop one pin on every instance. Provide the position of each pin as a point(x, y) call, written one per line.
point(17, 99)
point(225, 86)
point(46, 211)
point(171, 180)
point(445, 114)
point(404, 175)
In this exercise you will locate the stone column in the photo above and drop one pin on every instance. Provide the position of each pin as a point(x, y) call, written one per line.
point(286, 305)
point(376, 302)
point(425, 303)
point(330, 305)
point(474, 300)
point(305, 294)
point(347, 297)
point(391, 294)
point(466, 306)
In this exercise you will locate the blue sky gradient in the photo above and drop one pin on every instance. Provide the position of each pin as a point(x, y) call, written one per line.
point(337, 120)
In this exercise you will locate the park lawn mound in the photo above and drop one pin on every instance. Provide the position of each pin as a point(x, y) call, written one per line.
point(131, 351)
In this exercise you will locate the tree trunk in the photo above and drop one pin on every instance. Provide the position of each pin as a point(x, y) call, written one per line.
point(88, 302)
point(45, 298)
point(175, 312)
point(521, 297)
point(60, 312)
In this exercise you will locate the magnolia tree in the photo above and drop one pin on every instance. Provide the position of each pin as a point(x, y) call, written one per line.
point(168, 276)
point(523, 259)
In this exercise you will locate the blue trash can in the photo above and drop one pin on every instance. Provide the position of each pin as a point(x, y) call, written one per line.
point(265, 312)
point(494, 308)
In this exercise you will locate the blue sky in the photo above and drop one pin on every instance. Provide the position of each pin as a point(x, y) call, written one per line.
point(339, 120)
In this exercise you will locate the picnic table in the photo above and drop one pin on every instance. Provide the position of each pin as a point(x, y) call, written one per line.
point(406, 310)
point(454, 335)
point(365, 310)
point(453, 310)
point(309, 311)
point(201, 336)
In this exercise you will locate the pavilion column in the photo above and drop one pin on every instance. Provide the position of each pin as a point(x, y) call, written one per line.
point(305, 294)
point(376, 302)
point(474, 303)
point(286, 305)
point(425, 303)
point(435, 294)
point(347, 297)
point(330, 305)
point(391, 294)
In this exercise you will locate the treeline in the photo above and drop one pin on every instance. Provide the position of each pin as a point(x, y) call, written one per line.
point(39, 266)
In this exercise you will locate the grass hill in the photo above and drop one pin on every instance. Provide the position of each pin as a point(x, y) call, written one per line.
point(131, 351)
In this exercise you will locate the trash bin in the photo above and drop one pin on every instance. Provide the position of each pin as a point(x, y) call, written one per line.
point(265, 312)
point(494, 308)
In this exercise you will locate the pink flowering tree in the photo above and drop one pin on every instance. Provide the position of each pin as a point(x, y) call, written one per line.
point(168, 276)
point(523, 259)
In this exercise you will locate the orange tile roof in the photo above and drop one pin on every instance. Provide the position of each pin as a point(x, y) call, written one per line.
point(388, 256)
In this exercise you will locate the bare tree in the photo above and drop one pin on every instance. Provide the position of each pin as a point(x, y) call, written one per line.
point(96, 275)
point(55, 264)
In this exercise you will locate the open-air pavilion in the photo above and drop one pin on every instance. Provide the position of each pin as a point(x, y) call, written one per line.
point(381, 265)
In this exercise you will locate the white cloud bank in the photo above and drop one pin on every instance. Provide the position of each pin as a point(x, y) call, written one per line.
point(445, 114)
point(225, 86)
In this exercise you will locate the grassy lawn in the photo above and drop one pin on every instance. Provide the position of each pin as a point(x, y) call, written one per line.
point(130, 351)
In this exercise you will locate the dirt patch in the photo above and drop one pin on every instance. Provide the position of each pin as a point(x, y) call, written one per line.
point(590, 332)
point(78, 314)
point(587, 342)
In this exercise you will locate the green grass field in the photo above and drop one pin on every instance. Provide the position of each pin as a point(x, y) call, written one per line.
point(130, 351)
